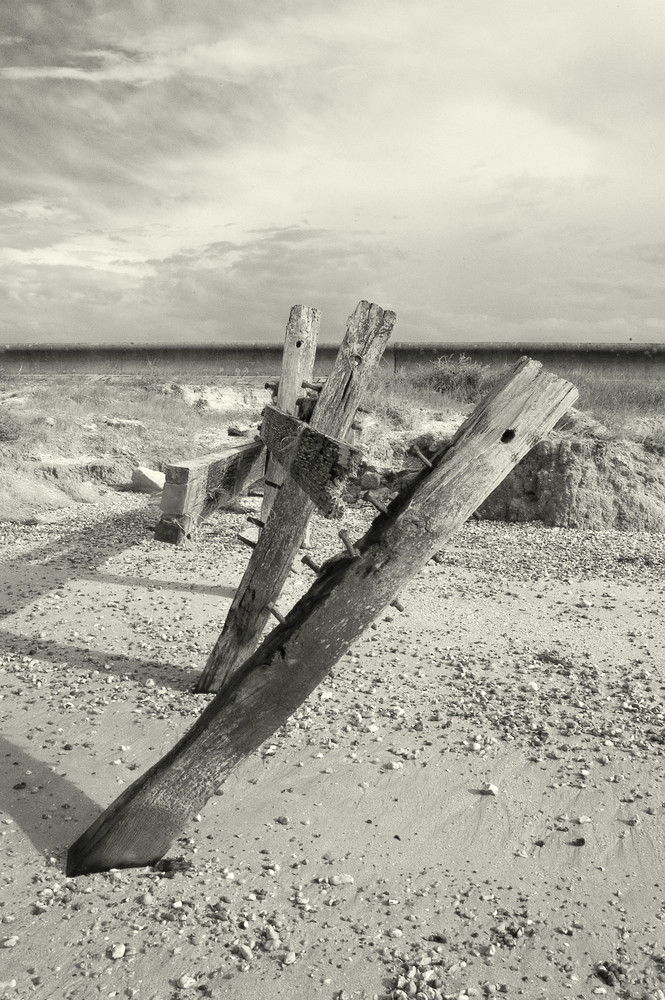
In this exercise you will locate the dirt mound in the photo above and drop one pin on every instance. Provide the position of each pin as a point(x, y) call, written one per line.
point(579, 477)
point(35, 488)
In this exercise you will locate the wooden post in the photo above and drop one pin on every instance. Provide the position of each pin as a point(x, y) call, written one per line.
point(345, 598)
point(366, 336)
point(302, 332)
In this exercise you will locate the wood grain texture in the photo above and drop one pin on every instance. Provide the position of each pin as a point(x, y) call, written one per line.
point(346, 597)
point(194, 489)
point(317, 462)
point(302, 334)
point(367, 334)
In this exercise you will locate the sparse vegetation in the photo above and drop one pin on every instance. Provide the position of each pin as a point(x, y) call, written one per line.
point(460, 378)
point(49, 420)
point(10, 426)
point(67, 418)
point(633, 408)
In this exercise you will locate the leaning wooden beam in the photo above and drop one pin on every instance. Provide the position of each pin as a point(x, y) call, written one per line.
point(367, 333)
point(138, 828)
point(318, 463)
point(194, 489)
point(302, 333)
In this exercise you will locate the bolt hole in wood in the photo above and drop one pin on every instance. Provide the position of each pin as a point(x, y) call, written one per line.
point(298, 343)
point(507, 436)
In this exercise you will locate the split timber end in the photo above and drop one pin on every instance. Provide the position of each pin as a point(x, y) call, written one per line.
point(194, 489)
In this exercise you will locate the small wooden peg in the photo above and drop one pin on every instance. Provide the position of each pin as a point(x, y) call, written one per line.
point(247, 541)
point(256, 520)
point(308, 561)
point(275, 613)
point(312, 386)
point(275, 486)
point(375, 503)
point(350, 547)
point(397, 604)
point(415, 450)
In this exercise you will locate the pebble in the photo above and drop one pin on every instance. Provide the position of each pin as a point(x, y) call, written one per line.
point(186, 982)
point(10, 942)
point(489, 790)
point(118, 951)
point(289, 958)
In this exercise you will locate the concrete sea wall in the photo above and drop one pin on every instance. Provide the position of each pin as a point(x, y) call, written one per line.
point(198, 361)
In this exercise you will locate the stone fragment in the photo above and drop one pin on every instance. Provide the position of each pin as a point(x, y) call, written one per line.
point(186, 982)
point(123, 422)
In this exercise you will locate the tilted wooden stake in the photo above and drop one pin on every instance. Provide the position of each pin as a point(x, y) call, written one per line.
point(302, 333)
point(367, 333)
point(344, 599)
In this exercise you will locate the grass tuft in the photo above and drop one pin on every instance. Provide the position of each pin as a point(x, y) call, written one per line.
point(11, 428)
point(461, 378)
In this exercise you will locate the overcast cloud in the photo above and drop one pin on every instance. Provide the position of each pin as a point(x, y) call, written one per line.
point(490, 169)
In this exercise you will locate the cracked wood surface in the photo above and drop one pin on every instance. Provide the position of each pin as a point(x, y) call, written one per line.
point(302, 334)
point(367, 333)
point(194, 489)
point(318, 463)
point(351, 591)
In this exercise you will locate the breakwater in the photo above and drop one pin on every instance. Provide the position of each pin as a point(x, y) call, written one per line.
point(198, 361)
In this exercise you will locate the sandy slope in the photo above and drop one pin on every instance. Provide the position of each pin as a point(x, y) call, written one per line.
point(357, 847)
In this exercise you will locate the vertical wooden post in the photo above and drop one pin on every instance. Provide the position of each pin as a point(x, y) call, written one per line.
point(302, 331)
point(367, 334)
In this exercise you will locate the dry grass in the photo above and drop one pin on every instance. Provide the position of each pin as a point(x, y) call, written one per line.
point(67, 419)
point(630, 408)
point(64, 418)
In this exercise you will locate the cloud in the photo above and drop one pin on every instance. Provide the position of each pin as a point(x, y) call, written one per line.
point(479, 167)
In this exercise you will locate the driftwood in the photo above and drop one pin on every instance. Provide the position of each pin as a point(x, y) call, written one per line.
point(350, 592)
point(367, 333)
point(194, 489)
point(319, 464)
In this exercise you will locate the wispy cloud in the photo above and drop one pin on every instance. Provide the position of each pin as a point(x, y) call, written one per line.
point(488, 170)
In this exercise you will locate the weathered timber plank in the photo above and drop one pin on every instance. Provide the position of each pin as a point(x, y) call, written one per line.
point(302, 334)
point(317, 462)
point(367, 333)
point(194, 489)
point(347, 596)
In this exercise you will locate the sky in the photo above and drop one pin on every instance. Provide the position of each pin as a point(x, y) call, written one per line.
point(492, 170)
